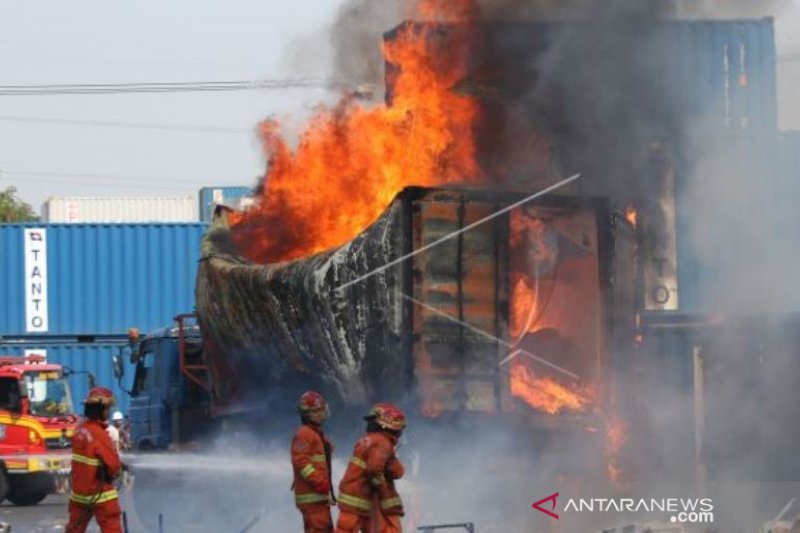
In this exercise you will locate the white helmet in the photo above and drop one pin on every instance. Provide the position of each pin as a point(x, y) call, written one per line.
point(117, 416)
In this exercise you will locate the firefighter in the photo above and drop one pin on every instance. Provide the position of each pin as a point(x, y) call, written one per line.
point(95, 463)
point(368, 500)
point(311, 461)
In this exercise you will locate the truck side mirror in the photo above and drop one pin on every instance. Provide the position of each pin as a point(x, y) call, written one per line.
point(119, 367)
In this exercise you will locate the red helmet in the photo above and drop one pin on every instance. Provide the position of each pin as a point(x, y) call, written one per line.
point(311, 401)
point(100, 395)
point(388, 416)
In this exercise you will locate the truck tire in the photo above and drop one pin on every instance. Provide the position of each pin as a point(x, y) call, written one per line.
point(3, 483)
point(30, 489)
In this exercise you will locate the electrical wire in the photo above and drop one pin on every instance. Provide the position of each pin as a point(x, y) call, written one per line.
point(127, 125)
point(69, 175)
point(167, 87)
point(161, 183)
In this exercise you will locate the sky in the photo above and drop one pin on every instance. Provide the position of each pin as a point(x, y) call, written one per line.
point(44, 153)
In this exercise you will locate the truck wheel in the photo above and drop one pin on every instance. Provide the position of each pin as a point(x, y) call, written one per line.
point(30, 489)
point(3, 484)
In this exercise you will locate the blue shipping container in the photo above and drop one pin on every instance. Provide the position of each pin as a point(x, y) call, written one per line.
point(81, 359)
point(95, 279)
point(213, 196)
point(737, 222)
point(721, 73)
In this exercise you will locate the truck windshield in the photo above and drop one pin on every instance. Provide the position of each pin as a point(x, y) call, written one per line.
point(48, 394)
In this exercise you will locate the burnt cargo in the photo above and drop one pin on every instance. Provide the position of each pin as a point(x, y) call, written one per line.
point(439, 328)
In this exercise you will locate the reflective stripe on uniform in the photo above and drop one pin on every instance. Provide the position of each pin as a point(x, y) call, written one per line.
point(92, 499)
point(318, 458)
point(377, 480)
point(391, 502)
point(301, 499)
point(85, 460)
point(358, 462)
point(354, 501)
point(307, 471)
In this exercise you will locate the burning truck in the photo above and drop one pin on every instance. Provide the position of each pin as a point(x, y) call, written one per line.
point(433, 306)
point(519, 311)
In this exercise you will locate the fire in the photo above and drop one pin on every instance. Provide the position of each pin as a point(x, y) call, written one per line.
point(528, 234)
point(544, 393)
point(352, 160)
point(616, 438)
point(631, 216)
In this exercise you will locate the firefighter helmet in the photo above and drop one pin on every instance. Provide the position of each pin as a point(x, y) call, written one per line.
point(387, 416)
point(100, 395)
point(311, 401)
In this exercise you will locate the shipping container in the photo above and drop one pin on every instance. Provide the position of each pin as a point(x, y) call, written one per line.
point(724, 71)
point(556, 98)
point(739, 375)
point(737, 221)
point(465, 326)
point(230, 196)
point(95, 279)
point(88, 209)
point(79, 361)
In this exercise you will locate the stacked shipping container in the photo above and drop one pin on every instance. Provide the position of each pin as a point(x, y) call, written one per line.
point(75, 289)
point(76, 209)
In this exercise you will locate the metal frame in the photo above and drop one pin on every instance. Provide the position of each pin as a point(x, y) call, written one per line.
point(190, 371)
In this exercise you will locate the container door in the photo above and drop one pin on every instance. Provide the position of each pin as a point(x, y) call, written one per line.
point(459, 296)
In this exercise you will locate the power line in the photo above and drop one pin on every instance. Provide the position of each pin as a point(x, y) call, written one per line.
point(167, 87)
point(102, 179)
point(127, 125)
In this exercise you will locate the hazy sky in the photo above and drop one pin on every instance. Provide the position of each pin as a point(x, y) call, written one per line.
point(89, 41)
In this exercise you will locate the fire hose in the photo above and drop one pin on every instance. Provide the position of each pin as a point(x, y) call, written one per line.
point(469, 526)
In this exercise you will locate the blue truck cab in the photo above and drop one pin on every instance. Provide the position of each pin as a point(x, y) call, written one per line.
point(170, 400)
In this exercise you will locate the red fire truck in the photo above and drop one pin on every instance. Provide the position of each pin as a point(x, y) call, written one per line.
point(36, 425)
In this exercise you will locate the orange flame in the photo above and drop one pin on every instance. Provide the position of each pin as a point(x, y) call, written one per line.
point(631, 216)
point(616, 438)
point(544, 393)
point(527, 234)
point(352, 160)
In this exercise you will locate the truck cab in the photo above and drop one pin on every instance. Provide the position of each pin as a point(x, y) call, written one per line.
point(170, 401)
point(37, 421)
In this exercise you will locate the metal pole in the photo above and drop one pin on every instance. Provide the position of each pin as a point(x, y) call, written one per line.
point(699, 424)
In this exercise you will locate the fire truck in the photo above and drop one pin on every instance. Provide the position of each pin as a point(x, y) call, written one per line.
point(37, 421)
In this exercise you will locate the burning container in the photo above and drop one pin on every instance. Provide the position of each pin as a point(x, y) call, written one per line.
point(523, 309)
point(558, 97)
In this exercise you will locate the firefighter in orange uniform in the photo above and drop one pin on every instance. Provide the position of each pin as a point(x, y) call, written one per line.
point(95, 463)
point(368, 501)
point(311, 462)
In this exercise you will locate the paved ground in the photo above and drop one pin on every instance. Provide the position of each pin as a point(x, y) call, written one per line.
point(50, 516)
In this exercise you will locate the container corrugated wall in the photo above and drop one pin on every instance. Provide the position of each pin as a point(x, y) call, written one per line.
point(86, 209)
point(722, 73)
point(743, 187)
point(81, 359)
point(231, 196)
point(728, 71)
point(98, 279)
